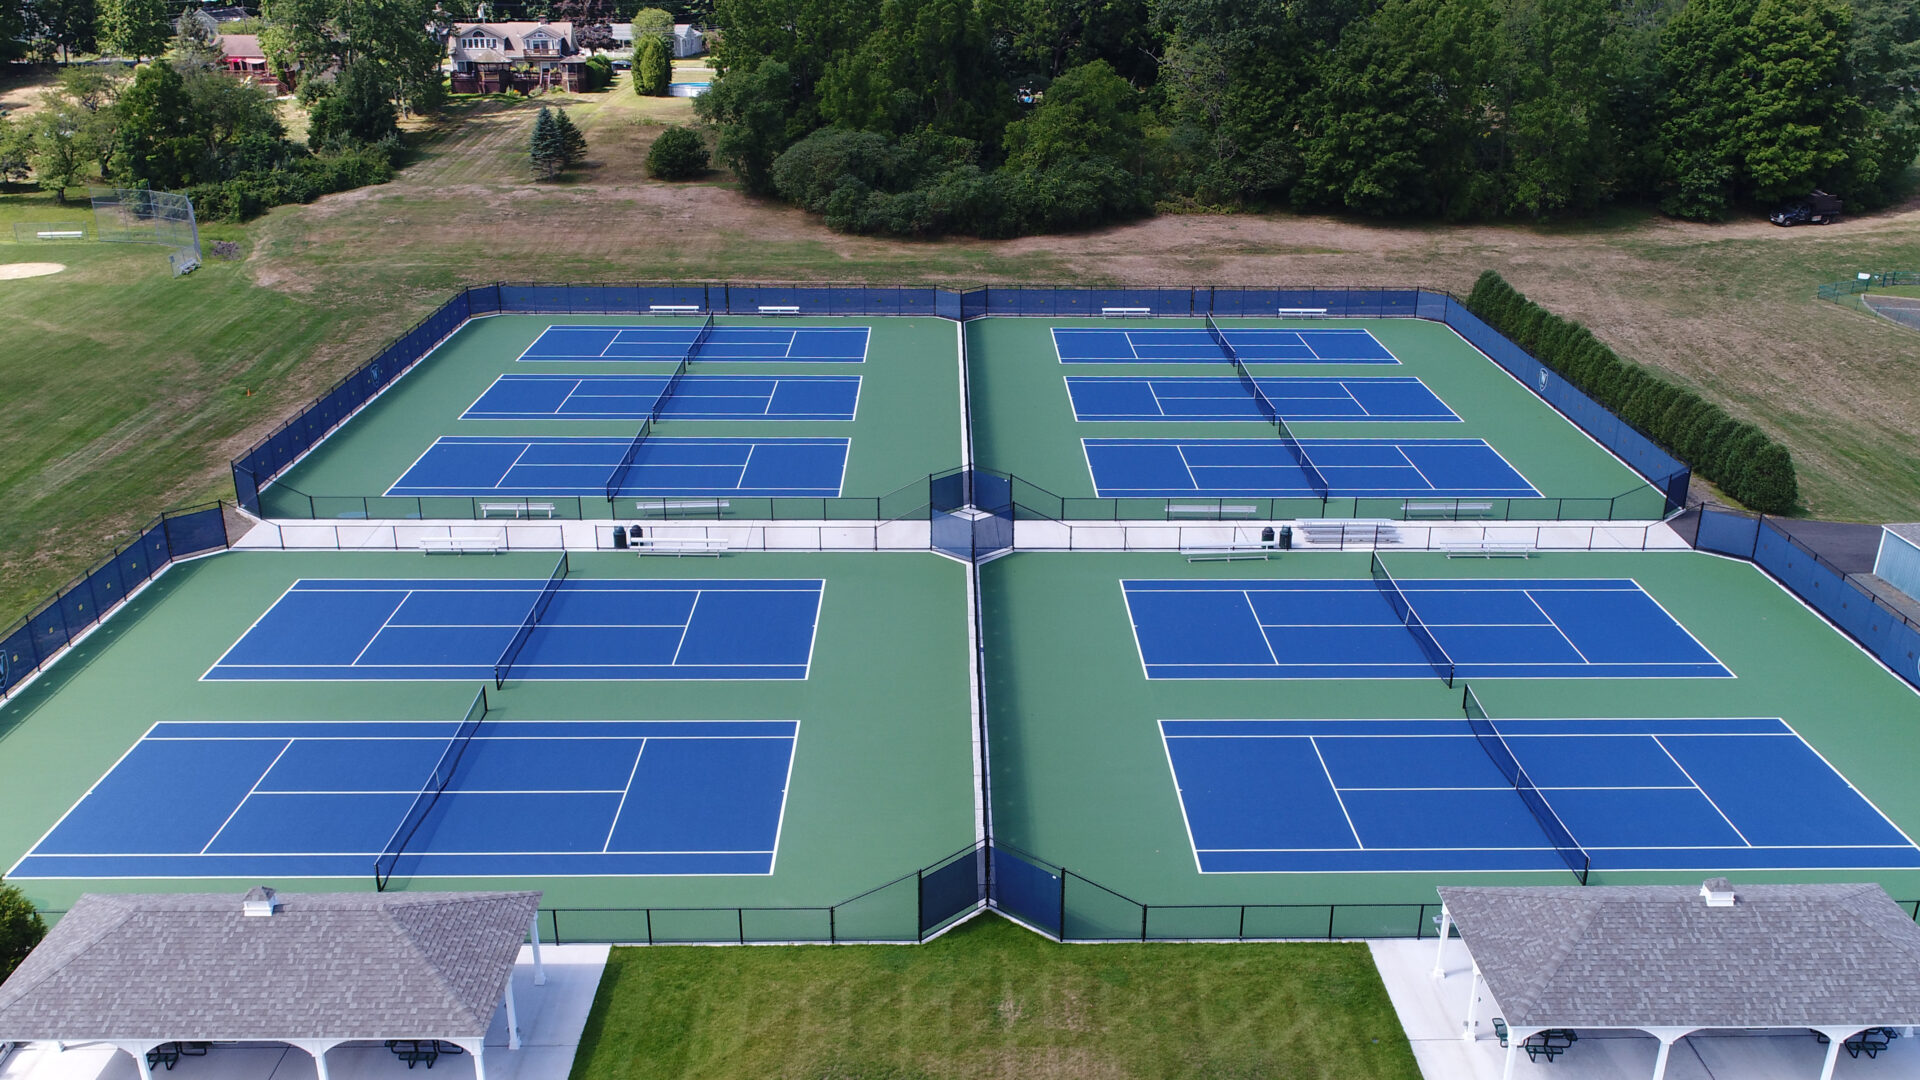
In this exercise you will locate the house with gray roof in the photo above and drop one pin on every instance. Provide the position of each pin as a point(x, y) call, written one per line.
point(156, 974)
point(1833, 961)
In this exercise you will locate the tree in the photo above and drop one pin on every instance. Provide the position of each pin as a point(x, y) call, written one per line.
point(403, 39)
point(67, 25)
point(136, 28)
point(13, 30)
point(676, 154)
point(57, 144)
point(15, 141)
point(21, 928)
point(1758, 105)
point(157, 140)
point(573, 145)
point(546, 150)
point(651, 20)
point(357, 111)
point(652, 66)
point(195, 47)
point(1089, 112)
point(755, 114)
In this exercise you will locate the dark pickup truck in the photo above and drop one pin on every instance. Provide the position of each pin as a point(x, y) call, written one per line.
point(1819, 208)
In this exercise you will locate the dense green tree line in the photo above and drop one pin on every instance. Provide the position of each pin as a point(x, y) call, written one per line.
point(1000, 116)
point(1748, 465)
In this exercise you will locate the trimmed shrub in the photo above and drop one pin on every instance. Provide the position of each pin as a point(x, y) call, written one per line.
point(21, 928)
point(676, 154)
point(1748, 465)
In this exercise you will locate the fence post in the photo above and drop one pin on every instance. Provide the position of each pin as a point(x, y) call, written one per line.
point(649, 912)
point(740, 914)
point(920, 905)
point(1330, 910)
point(1064, 874)
point(833, 930)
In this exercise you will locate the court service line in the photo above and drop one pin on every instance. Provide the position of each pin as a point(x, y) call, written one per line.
point(631, 773)
point(243, 799)
point(1702, 791)
point(375, 636)
point(1334, 786)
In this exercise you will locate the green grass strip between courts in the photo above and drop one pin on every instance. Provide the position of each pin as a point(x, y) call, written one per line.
point(992, 999)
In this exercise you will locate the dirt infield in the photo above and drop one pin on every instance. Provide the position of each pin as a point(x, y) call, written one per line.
point(14, 271)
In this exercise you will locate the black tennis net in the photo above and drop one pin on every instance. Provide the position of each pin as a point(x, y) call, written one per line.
point(1496, 747)
point(504, 665)
point(618, 478)
point(1271, 414)
point(437, 782)
point(1443, 665)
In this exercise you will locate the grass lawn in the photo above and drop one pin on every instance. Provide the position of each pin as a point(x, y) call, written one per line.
point(991, 999)
point(128, 390)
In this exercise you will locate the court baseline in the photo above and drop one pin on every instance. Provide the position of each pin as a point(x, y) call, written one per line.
point(1194, 345)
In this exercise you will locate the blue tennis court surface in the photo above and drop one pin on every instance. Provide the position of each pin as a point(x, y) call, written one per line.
point(1266, 468)
point(1340, 629)
point(1294, 796)
point(523, 465)
point(697, 397)
point(341, 628)
point(1162, 345)
point(292, 799)
point(1135, 397)
point(842, 344)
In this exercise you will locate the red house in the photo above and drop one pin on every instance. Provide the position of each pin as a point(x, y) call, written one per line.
point(246, 59)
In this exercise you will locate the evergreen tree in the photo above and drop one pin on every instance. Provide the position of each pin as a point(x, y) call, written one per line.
point(573, 144)
point(21, 928)
point(652, 66)
point(136, 28)
point(547, 150)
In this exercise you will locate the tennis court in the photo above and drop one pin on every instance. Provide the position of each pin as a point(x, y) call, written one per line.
point(1452, 468)
point(837, 344)
point(518, 396)
point(1131, 397)
point(589, 629)
point(533, 465)
point(1182, 345)
point(1596, 628)
point(1702, 795)
point(324, 799)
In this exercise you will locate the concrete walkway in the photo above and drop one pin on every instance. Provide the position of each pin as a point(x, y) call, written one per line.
point(551, 1020)
point(1432, 1012)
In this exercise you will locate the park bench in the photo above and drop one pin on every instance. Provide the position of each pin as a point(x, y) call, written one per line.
point(516, 509)
point(460, 545)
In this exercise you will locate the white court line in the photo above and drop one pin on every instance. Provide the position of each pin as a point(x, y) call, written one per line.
point(1702, 791)
point(404, 597)
point(688, 626)
point(1528, 593)
point(1334, 787)
point(624, 792)
point(1264, 640)
point(243, 799)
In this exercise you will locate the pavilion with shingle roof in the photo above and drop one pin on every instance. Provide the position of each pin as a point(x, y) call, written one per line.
point(1671, 961)
point(312, 970)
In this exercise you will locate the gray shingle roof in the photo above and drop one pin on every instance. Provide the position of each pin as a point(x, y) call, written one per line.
point(324, 966)
point(1781, 956)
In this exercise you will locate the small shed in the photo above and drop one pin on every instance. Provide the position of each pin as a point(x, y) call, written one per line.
point(145, 972)
point(1832, 961)
point(1898, 561)
point(687, 41)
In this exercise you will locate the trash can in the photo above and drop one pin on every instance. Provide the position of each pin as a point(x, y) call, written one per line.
point(1266, 536)
point(1286, 538)
point(620, 537)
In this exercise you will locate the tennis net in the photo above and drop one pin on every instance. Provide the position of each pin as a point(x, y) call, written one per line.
point(1443, 665)
point(437, 782)
point(618, 478)
point(534, 615)
point(1496, 747)
point(1271, 414)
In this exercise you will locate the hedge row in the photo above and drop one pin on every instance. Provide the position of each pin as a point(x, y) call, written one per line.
point(254, 193)
point(1750, 467)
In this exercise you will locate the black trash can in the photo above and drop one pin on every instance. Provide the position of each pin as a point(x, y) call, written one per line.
point(1266, 536)
point(1286, 538)
point(620, 537)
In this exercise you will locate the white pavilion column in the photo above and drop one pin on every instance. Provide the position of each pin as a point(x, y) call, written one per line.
point(539, 969)
point(1835, 1036)
point(1473, 1002)
point(513, 1019)
point(139, 1052)
point(1440, 951)
point(1515, 1036)
point(317, 1050)
point(478, 1049)
point(1667, 1037)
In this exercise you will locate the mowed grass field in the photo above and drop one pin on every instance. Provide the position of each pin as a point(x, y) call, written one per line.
point(991, 999)
point(127, 391)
